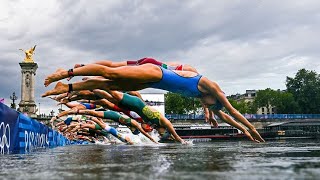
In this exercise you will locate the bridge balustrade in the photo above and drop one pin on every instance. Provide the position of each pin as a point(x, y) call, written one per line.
point(248, 116)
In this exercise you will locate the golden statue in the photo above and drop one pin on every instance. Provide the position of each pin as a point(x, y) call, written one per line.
point(29, 53)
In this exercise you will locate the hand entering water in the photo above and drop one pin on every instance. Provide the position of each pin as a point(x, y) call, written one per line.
point(188, 142)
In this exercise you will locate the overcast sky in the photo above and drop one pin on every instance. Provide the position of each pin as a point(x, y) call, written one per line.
point(241, 44)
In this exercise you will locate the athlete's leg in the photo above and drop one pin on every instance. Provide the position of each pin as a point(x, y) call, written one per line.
point(102, 102)
point(187, 67)
point(111, 63)
point(84, 94)
point(60, 97)
point(91, 84)
point(135, 93)
point(106, 95)
point(112, 105)
point(145, 61)
point(86, 125)
point(94, 113)
point(118, 96)
point(84, 85)
point(71, 104)
point(60, 123)
point(118, 135)
point(75, 107)
point(167, 65)
point(106, 104)
point(105, 63)
point(141, 74)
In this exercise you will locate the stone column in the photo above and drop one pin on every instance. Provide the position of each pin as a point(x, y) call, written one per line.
point(27, 103)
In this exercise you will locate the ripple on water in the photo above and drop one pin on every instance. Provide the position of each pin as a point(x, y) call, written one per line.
point(205, 160)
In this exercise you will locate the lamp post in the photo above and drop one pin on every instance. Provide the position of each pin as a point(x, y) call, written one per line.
point(13, 98)
point(60, 109)
point(39, 109)
point(51, 113)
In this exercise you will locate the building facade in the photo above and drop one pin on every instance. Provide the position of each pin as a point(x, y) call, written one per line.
point(249, 97)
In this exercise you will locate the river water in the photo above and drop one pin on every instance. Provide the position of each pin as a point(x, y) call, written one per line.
point(276, 159)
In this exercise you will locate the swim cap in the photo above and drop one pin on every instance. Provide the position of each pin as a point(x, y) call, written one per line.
point(146, 127)
point(134, 131)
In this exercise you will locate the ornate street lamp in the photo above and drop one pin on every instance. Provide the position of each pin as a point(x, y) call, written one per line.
point(13, 98)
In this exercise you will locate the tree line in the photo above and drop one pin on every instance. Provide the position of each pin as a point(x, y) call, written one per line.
point(301, 96)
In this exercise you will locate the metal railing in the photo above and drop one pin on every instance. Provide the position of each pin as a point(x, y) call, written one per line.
point(248, 116)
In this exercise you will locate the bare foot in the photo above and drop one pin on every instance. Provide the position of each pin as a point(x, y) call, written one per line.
point(256, 135)
point(53, 98)
point(77, 65)
point(58, 89)
point(59, 74)
point(73, 111)
point(61, 96)
point(63, 101)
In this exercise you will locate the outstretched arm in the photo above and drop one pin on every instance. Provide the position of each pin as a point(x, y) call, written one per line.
point(205, 111)
point(209, 115)
point(225, 117)
point(138, 126)
point(215, 90)
point(166, 123)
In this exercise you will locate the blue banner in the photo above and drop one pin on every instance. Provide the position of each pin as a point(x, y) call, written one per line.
point(19, 133)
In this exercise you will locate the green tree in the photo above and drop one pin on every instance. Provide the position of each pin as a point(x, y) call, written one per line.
point(284, 103)
point(243, 106)
point(265, 98)
point(252, 108)
point(305, 87)
point(174, 103)
point(178, 104)
point(192, 105)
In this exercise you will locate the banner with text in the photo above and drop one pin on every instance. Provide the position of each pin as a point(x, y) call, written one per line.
point(19, 133)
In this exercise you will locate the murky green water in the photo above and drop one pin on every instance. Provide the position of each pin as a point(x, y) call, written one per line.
point(290, 159)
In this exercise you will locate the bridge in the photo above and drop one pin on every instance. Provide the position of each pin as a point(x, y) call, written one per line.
point(258, 120)
point(250, 117)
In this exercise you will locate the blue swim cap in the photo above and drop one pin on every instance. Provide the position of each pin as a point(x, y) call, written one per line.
point(68, 121)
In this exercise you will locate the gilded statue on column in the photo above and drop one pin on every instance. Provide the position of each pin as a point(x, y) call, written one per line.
point(29, 53)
